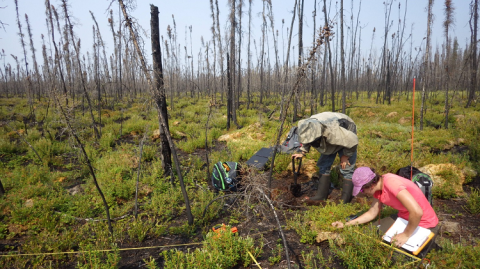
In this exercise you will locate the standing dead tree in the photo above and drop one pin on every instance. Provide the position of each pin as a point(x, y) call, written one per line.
point(342, 59)
point(160, 96)
point(2, 189)
point(220, 47)
point(79, 64)
point(248, 51)
point(288, 54)
point(473, 48)
point(327, 40)
point(426, 62)
point(214, 37)
point(446, 24)
point(29, 83)
point(313, 96)
point(231, 110)
point(300, 52)
point(157, 96)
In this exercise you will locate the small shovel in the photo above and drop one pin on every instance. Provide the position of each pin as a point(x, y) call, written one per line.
point(295, 188)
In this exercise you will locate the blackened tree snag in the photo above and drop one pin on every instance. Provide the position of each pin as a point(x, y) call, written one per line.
point(159, 90)
point(229, 95)
point(2, 190)
point(426, 62)
point(162, 120)
point(446, 24)
point(474, 60)
point(327, 40)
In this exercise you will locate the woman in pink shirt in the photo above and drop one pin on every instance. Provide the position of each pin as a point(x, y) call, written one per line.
point(397, 192)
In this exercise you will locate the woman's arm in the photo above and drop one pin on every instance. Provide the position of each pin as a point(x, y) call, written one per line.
point(415, 215)
point(365, 217)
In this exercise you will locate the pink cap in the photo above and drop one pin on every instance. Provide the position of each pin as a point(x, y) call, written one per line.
point(361, 176)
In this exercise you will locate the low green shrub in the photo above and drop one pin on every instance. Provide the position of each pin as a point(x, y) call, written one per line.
point(308, 223)
point(199, 204)
point(166, 202)
point(361, 248)
point(473, 202)
point(222, 249)
point(444, 191)
point(460, 255)
point(139, 228)
point(277, 253)
point(95, 258)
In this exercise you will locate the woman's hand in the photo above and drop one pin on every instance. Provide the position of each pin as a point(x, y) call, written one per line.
point(298, 155)
point(400, 239)
point(338, 224)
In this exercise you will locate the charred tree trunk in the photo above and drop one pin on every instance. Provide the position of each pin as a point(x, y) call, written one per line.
point(342, 58)
point(327, 40)
point(313, 95)
point(159, 87)
point(288, 55)
point(163, 122)
point(300, 50)
point(229, 96)
point(239, 64)
point(248, 51)
point(231, 79)
point(448, 21)
point(264, 26)
point(474, 62)
point(426, 61)
point(2, 190)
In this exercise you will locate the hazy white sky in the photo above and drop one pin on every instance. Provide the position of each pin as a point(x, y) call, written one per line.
point(196, 13)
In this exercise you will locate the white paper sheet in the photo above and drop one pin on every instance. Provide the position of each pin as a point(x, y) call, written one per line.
point(418, 238)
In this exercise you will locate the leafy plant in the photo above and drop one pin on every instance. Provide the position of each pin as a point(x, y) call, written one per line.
point(138, 229)
point(451, 255)
point(444, 191)
point(473, 202)
point(361, 248)
point(277, 254)
point(307, 224)
point(92, 258)
point(221, 249)
point(150, 263)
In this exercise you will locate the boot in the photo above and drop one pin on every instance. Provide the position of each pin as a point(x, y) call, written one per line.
point(347, 191)
point(315, 179)
point(323, 187)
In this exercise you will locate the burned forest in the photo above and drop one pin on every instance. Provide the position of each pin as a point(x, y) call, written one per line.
point(116, 125)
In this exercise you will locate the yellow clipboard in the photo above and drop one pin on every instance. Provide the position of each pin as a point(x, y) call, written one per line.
point(429, 238)
point(417, 251)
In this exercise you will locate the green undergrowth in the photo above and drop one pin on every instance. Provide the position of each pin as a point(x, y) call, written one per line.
point(221, 249)
point(451, 255)
point(49, 197)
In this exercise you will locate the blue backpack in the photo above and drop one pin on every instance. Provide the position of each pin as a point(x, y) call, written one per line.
point(225, 176)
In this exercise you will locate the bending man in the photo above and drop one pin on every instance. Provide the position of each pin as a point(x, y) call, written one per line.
point(330, 133)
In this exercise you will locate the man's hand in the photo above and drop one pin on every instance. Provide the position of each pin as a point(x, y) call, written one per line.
point(344, 161)
point(338, 224)
point(297, 155)
point(400, 239)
